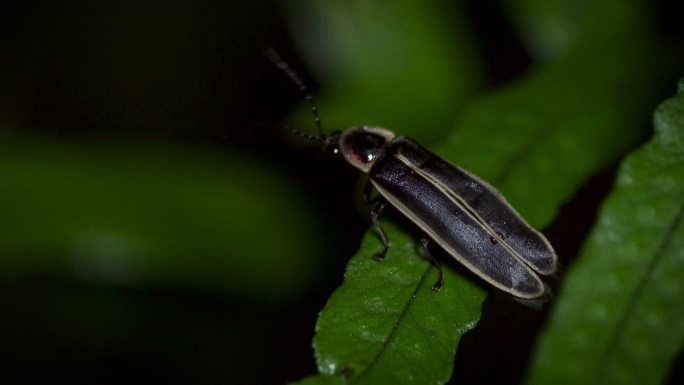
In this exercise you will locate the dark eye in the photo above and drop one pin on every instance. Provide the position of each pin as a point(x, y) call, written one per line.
point(362, 146)
point(367, 146)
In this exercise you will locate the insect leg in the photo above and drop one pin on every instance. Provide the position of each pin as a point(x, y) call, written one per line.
point(375, 217)
point(440, 282)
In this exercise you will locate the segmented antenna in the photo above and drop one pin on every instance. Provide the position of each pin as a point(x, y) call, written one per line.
point(303, 134)
point(273, 56)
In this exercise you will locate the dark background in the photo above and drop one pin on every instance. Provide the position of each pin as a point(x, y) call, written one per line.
point(192, 74)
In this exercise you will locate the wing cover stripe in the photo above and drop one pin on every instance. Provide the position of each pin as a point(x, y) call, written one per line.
point(453, 227)
point(484, 200)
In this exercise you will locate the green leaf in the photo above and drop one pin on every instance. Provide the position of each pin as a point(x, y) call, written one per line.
point(552, 28)
point(545, 136)
point(363, 333)
point(618, 319)
point(385, 324)
point(152, 216)
point(547, 133)
point(537, 139)
point(402, 64)
point(319, 380)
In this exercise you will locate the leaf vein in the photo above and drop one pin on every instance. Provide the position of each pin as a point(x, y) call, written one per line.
point(634, 296)
point(397, 324)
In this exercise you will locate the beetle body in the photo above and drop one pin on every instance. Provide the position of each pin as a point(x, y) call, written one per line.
point(466, 216)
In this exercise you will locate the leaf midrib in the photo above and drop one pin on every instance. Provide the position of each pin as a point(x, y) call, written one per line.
point(396, 325)
point(634, 297)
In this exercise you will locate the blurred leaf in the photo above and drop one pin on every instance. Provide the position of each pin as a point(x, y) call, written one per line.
point(619, 316)
point(152, 216)
point(401, 64)
point(574, 116)
point(547, 133)
point(552, 28)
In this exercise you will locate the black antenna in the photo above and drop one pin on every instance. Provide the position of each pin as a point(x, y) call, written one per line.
point(273, 56)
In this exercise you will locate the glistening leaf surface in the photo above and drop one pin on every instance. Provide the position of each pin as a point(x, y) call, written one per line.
point(619, 316)
point(393, 328)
